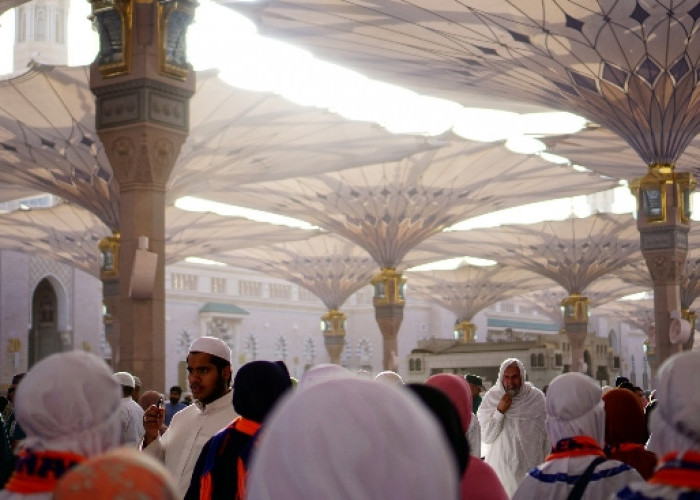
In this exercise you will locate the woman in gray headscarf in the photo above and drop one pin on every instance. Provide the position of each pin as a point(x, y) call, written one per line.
point(68, 404)
point(675, 433)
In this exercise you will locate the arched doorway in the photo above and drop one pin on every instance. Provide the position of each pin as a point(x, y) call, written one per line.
point(588, 363)
point(44, 337)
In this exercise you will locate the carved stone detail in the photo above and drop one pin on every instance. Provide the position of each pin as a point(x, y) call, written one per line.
point(665, 267)
point(122, 155)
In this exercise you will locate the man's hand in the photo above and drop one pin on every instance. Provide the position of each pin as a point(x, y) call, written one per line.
point(153, 420)
point(505, 403)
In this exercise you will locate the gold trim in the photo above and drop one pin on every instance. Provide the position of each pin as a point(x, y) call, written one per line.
point(165, 9)
point(465, 331)
point(125, 10)
point(575, 308)
point(388, 287)
point(110, 244)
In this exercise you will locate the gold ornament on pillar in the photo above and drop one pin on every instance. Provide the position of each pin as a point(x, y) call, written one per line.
point(333, 327)
point(174, 17)
point(389, 287)
point(652, 192)
point(109, 252)
point(465, 332)
point(113, 20)
point(575, 309)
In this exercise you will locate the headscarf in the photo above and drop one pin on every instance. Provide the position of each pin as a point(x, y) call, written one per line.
point(320, 373)
point(495, 393)
point(256, 388)
point(574, 408)
point(624, 418)
point(124, 473)
point(445, 413)
point(69, 402)
point(457, 389)
point(149, 398)
point(351, 438)
point(675, 422)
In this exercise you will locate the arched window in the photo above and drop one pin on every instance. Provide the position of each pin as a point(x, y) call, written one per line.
point(419, 365)
point(411, 365)
point(540, 360)
point(558, 359)
point(533, 359)
point(40, 24)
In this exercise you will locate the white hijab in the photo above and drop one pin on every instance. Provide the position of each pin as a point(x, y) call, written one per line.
point(352, 438)
point(675, 422)
point(69, 402)
point(321, 373)
point(575, 408)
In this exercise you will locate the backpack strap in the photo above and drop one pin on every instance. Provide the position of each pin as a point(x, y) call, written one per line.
point(584, 479)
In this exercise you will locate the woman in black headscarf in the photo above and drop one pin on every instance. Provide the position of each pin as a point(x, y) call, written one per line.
point(221, 469)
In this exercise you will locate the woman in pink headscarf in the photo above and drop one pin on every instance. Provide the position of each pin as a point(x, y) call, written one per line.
point(479, 479)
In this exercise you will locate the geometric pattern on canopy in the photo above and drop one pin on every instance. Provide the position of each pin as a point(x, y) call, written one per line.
point(573, 252)
point(468, 289)
point(48, 141)
point(632, 67)
point(389, 208)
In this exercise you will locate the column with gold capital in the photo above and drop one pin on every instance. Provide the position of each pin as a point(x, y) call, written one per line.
point(142, 83)
point(389, 301)
point(663, 220)
point(575, 312)
point(333, 326)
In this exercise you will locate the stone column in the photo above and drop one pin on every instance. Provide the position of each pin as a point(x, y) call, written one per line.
point(109, 274)
point(389, 302)
point(465, 332)
point(334, 334)
point(663, 220)
point(143, 84)
point(575, 308)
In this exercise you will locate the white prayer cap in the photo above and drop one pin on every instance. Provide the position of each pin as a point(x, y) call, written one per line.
point(125, 378)
point(675, 422)
point(212, 345)
point(351, 438)
point(575, 407)
point(69, 401)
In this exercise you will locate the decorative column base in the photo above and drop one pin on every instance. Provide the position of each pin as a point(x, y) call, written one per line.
point(334, 334)
point(389, 301)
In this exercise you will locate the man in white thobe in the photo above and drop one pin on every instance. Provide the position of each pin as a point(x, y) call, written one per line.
point(512, 416)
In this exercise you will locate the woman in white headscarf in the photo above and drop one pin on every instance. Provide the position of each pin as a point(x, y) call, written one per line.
point(517, 438)
point(675, 432)
point(68, 404)
point(576, 425)
point(352, 438)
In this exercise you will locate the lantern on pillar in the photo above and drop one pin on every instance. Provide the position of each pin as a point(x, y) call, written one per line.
point(654, 190)
point(109, 252)
point(465, 332)
point(333, 327)
point(389, 287)
point(174, 17)
point(113, 20)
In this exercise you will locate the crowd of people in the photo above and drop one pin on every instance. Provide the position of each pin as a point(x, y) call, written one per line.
point(72, 429)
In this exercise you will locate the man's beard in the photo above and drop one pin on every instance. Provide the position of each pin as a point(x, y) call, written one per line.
point(513, 391)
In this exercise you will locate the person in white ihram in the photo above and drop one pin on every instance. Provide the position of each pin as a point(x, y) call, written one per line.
point(512, 418)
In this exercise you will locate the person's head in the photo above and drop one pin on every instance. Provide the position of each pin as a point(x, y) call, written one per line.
point(624, 418)
point(511, 376)
point(447, 415)
point(457, 389)
point(69, 401)
point(389, 377)
point(258, 385)
point(574, 407)
point(175, 394)
point(149, 398)
point(187, 398)
point(321, 373)
point(209, 369)
point(126, 380)
point(121, 473)
point(476, 384)
point(11, 391)
point(620, 379)
point(376, 431)
point(675, 421)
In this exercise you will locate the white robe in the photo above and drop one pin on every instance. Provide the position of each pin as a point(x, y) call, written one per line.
point(474, 437)
point(189, 430)
point(556, 478)
point(131, 416)
point(518, 439)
